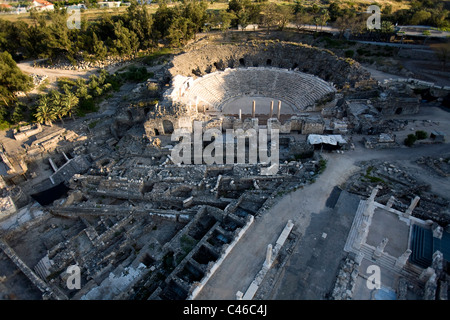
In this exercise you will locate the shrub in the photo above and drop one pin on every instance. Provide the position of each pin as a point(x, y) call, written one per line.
point(420, 135)
point(410, 139)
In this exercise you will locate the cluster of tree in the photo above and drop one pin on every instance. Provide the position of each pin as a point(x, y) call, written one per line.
point(434, 13)
point(56, 105)
point(413, 137)
point(180, 23)
point(74, 97)
point(49, 36)
point(12, 80)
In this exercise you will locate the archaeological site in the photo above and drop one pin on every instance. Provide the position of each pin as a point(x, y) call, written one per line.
point(100, 209)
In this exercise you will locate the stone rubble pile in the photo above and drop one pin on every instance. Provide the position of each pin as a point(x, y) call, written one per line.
point(346, 280)
point(111, 61)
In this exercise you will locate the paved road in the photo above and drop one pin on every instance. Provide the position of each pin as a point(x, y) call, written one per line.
point(311, 270)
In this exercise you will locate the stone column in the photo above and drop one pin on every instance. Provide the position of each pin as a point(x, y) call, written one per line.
point(430, 288)
point(360, 238)
point(240, 114)
point(411, 207)
point(390, 202)
point(279, 110)
point(370, 202)
point(52, 164)
point(401, 261)
point(380, 248)
point(271, 109)
point(268, 261)
point(438, 262)
point(239, 295)
point(253, 109)
point(426, 274)
point(437, 230)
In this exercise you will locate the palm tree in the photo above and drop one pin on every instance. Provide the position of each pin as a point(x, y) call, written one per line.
point(57, 105)
point(70, 103)
point(44, 112)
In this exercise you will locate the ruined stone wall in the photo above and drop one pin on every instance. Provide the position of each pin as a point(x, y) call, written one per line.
point(320, 62)
point(313, 126)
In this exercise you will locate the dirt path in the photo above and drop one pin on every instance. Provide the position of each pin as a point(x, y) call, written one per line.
point(27, 67)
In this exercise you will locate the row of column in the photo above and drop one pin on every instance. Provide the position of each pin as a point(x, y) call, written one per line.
point(270, 114)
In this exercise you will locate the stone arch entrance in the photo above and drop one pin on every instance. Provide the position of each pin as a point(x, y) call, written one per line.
point(168, 126)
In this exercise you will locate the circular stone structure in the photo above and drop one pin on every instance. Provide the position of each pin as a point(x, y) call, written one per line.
point(207, 58)
point(225, 91)
point(216, 84)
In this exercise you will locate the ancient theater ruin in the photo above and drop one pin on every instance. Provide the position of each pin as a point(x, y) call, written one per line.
point(106, 196)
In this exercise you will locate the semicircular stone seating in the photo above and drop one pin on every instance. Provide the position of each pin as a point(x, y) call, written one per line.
point(299, 89)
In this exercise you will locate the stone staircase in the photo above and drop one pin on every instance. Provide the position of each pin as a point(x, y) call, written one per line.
point(298, 89)
point(42, 267)
point(410, 272)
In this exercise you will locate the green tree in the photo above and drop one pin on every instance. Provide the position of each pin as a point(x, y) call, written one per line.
point(18, 113)
point(180, 31)
point(70, 104)
point(335, 11)
point(324, 16)
point(268, 12)
point(126, 41)
point(195, 12)
point(225, 20)
point(58, 40)
point(298, 7)
point(81, 90)
point(163, 19)
point(421, 135)
point(44, 112)
point(12, 79)
point(410, 140)
point(245, 11)
point(387, 26)
point(140, 21)
point(420, 17)
point(98, 47)
point(56, 104)
point(301, 19)
point(283, 15)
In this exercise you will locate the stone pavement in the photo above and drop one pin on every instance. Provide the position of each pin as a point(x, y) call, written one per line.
point(311, 271)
